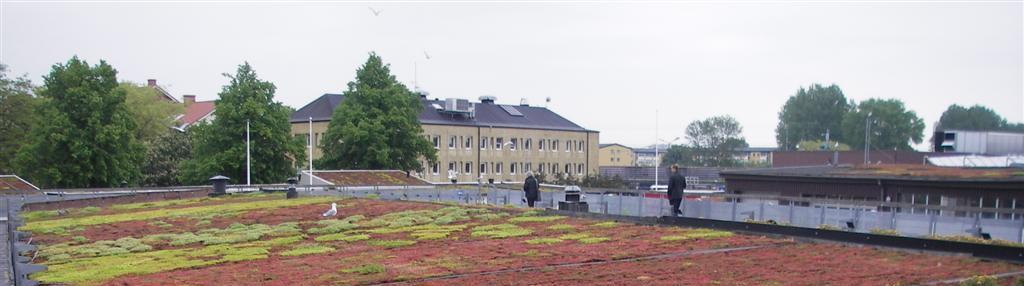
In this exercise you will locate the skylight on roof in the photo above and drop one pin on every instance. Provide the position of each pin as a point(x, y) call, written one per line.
point(437, 106)
point(511, 110)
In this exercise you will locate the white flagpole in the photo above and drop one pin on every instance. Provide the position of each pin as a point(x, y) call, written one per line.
point(310, 141)
point(248, 162)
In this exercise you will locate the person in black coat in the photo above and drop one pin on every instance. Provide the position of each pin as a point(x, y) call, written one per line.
point(676, 185)
point(532, 189)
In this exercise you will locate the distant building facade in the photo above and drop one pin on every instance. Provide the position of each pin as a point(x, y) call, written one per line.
point(647, 157)
point(991, 143)
point(755, 155)
point(481, 140)
point(616, 155)
point(195, 111)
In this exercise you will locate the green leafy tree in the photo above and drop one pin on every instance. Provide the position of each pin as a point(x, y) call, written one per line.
point(893, 127)
point(714, 141)
point(376, 126)
point(164, 154)
point(681, 155)
point(219, 147)
point(16, 116)
point(974, 118)
point(809, 113)
point(153, 115)
point(86, 139)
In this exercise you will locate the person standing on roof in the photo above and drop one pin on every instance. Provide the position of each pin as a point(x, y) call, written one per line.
point(532, 188)
point(676, 185)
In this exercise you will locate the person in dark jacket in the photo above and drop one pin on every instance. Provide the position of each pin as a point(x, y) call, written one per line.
point(532, 189)
point(676, 185)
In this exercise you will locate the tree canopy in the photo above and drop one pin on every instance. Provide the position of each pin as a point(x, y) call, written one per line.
point(809, 113)
point(714, 140)
point(219, 147)
point(16, 116)
point(376, 126)
point(976, 117)
point(164, 154)
point(86, 139)
point(893, 127)
point(153, 115)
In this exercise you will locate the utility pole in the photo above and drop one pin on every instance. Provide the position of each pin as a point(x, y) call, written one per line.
point(248, 162)
point(655, 147)
point(867, 139)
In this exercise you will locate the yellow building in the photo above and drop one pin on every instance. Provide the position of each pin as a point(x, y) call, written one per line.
point(616, 155)
point(482, 140)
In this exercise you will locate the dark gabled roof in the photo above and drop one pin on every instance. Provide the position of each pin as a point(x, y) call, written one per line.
point(487, 114)
point(320, 109)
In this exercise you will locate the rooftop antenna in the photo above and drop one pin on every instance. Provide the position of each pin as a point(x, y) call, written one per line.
point(547, 101)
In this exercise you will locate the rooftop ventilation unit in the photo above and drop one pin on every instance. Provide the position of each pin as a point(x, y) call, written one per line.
point(451, 104)
point(488, 99)
point(522, 102)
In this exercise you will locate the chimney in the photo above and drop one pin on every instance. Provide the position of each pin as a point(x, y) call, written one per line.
point(151, 83)
point(189, 99)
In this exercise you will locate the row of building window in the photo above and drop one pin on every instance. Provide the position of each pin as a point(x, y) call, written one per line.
point(466, 168)
point(498, 143)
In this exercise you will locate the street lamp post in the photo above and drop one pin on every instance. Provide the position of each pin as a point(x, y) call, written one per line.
point(867, 139)
point(656, 161)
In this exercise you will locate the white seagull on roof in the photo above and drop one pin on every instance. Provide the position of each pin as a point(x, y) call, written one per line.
point(333, 211)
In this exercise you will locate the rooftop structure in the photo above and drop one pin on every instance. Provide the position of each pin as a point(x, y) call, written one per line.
point(978, 142)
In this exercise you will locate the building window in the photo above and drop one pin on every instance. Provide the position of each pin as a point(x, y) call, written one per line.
point(540, 143)
point(433, 168)
point(512, 143)
point(451, 142)
point(468, 168)
point(469, 143)
point(497, 143)
point(554, 145)
point(529, 166)
point(497, 169)
point(483, 143)
point(568, 168)
point(483, 168)
point(526, 145)
point(554, 168)
point(451, 166)
point(579, 169)
point(579, 146)
point(568, 146)
point(437, 142)
point(512, 168)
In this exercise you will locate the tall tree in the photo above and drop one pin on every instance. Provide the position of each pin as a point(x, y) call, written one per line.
point(974, 118)
point(219, 147)
point(893, 127)
point(680, 154)
point(16, 116)
point(164, 154)
point(376, 126)
point(809, 113)
point(87, 138)
point(153, 115)
point(715, 139)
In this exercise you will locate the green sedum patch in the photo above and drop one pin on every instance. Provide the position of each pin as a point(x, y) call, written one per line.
point(62, 252)
point(51, 226)
point(591, 240)
point(335, 225)
point(562, 227)
point(544, 240)
point(97, 269)
point(698, 233)
point(500, 231)
point(235, 233)
point(365, 269)
point(535, 219)
point(607, 224)
point(305, 249)
point(392, 243)
point(342, 237)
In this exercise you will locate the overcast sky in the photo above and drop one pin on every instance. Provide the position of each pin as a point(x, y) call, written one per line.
point(605, 66)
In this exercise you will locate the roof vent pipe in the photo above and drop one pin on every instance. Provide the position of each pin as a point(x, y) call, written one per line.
point(522, 102)
point(488, 99)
